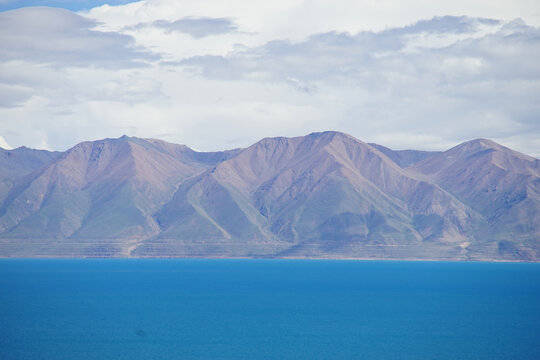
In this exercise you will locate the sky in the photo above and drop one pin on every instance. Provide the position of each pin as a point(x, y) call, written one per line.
point(217, 75)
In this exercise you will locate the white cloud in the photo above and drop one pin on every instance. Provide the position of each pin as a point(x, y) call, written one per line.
point(4, 144)
point(59, 37)
point(298, 19)
point(197, 27)
point(256, 69)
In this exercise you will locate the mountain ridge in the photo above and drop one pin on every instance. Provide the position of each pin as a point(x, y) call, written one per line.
point(322, 195)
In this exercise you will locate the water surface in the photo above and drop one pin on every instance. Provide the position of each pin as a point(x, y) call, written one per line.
point(268, 309)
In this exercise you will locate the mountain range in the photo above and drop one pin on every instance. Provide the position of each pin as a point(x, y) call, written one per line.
point(324, 195)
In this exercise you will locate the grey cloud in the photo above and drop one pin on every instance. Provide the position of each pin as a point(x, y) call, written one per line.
point(448, 24)
point(479, 82)
point(333, 54)
point(196, 27)
point(501, 56)
point(62, 87)
point(62, 38)
point(302, 86)
point(321, 56)
point(12, 96)
point(43, 48)
point(371, 58)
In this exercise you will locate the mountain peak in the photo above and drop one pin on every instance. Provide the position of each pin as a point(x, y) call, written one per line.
point(313, 135)
point(483, 147)
point(331, 134)
point(480, 144)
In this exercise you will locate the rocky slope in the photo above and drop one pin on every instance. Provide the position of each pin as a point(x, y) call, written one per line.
point(17, 163)
point(502, 185)
point(321, 195)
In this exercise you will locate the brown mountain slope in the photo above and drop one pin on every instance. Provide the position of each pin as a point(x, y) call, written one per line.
point(321, 195)
point(404, 158)
point(500, 184)
point(17, 163)
point(98, 194)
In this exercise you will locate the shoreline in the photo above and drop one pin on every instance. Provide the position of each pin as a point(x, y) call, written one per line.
point(2, 257)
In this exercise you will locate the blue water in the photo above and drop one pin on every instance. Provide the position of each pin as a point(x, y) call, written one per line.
point(268, 309)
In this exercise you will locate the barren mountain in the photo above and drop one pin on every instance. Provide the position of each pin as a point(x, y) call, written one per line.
point(17, 163)
point(500, 184)
point(325, 193)
point(321, 195)
point(98, 197)
point(404, 158)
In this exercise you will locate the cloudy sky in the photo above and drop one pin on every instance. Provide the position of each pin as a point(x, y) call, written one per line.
point(217, 74)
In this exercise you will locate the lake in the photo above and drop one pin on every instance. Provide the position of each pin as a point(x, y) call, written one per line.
point(267, 309)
